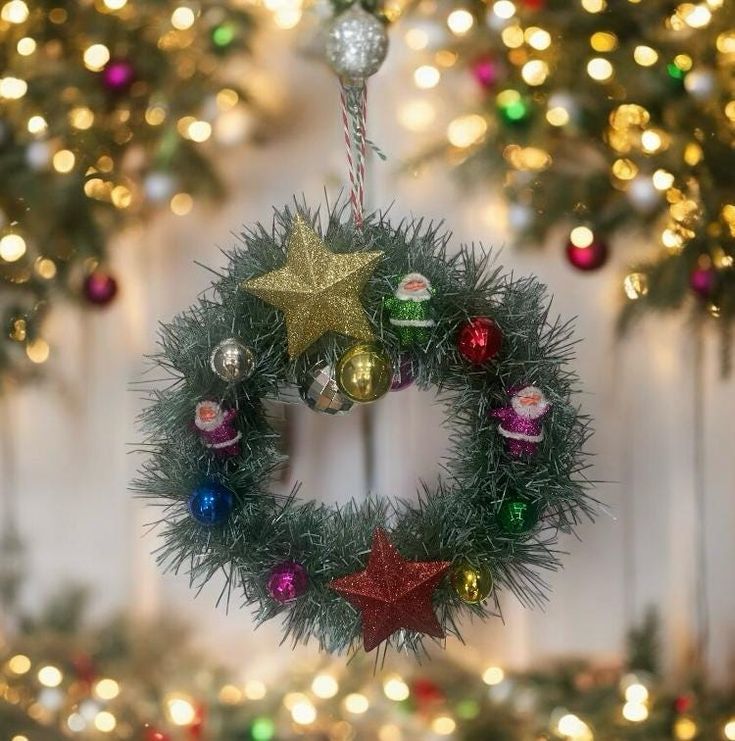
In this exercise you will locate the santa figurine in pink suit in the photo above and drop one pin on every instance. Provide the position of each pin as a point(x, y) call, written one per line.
point(521, 422)
point(215, 426)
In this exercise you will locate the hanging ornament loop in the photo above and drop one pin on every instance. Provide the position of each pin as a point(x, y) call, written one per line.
point(357, 44)
point(353, 99)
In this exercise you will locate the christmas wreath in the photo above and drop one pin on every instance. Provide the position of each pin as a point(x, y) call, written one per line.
point(347, 314)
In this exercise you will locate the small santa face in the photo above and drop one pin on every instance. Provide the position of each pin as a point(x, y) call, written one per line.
point(529, 403)
point(414, 287)
point(208, 415)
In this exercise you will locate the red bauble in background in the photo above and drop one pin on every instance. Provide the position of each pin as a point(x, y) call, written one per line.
point(100, 288)
point(586, 252)
point(427, 693)
point(703, 280)
point(84, 668)
point(479, 340)
point(533, 4)
point(153, 734)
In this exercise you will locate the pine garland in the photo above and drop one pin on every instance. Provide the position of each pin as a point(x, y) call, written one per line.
point(455, 520)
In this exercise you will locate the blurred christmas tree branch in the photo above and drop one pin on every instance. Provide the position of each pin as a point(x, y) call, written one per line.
point(611, 120)
point(111, 112)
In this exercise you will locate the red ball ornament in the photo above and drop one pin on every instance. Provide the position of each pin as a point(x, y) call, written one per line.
point(586, 254)
point(479, 340)
point(533, 4)
point(100, 288)
point(84, 668)
point(426, 692)
point(702, 281)
point(153, 734)
point(683, 704)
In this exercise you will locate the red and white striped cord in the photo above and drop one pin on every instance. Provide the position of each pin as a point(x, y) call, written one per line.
point(354, 124)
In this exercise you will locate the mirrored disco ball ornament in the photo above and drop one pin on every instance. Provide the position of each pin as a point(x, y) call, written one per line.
point(232, 360)
point(319, 391)
point(357, 44)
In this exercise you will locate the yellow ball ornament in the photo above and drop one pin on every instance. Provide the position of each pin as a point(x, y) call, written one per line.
point(364, 372)
point(471, 585)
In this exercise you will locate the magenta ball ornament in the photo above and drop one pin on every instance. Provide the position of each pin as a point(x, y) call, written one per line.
point(587, 257)
point(118, 75)
point(100, 288)
point(485, 72)
point(287, 581)
point(702, 280)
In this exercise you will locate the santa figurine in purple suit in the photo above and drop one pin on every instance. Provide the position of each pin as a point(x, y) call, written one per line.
point(521, 422)
point(215, 426)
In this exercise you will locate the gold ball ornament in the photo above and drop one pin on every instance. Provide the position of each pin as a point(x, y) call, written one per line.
point(364, 372)
point(471, 585)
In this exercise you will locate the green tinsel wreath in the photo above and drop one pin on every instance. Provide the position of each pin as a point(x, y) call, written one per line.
point(465, 519)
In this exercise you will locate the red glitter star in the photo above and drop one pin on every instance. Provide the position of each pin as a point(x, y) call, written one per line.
point(393, 593)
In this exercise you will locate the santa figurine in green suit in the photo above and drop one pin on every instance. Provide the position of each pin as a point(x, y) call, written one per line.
point(409, 309)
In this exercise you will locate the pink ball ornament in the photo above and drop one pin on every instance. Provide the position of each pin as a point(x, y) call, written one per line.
point(100, 288)
point(587, 257)
point(702, 280)
point(485, 71)
point(118, 75)
point(287, 581)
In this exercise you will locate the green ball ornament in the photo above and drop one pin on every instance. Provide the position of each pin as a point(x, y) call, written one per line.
point(513, 108)
point(364, 372)
point(517, 516)
point(471, 585)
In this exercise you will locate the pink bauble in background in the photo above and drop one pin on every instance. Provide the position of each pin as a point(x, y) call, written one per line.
point(118, 75)
point(589, 257)
point(485, 71)
point(100, 288)
point(702, 281)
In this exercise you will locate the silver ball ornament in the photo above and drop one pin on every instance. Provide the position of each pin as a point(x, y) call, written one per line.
point(232, 360)
point(357, 44)
point(700, 83)
point(320, 392)
point(643, 195)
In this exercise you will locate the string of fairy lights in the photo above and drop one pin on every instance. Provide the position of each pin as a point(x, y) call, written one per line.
point(390, 707)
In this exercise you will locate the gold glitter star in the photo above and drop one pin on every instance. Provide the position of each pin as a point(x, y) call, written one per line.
point(317, 290)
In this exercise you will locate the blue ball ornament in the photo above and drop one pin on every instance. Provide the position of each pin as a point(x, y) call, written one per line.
point(210, 503)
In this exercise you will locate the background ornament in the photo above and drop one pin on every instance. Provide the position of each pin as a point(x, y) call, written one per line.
point(357, 44)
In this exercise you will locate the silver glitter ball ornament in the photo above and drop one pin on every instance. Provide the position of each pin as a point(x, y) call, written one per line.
point(232, 360)
point(319, 391)
point(356, 44)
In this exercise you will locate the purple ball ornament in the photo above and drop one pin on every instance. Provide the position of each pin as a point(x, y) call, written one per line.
point(403, 375)
point(702, 280)
point(287, 581)
point(118, 75)
point(485, 72)
point(100, 288)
